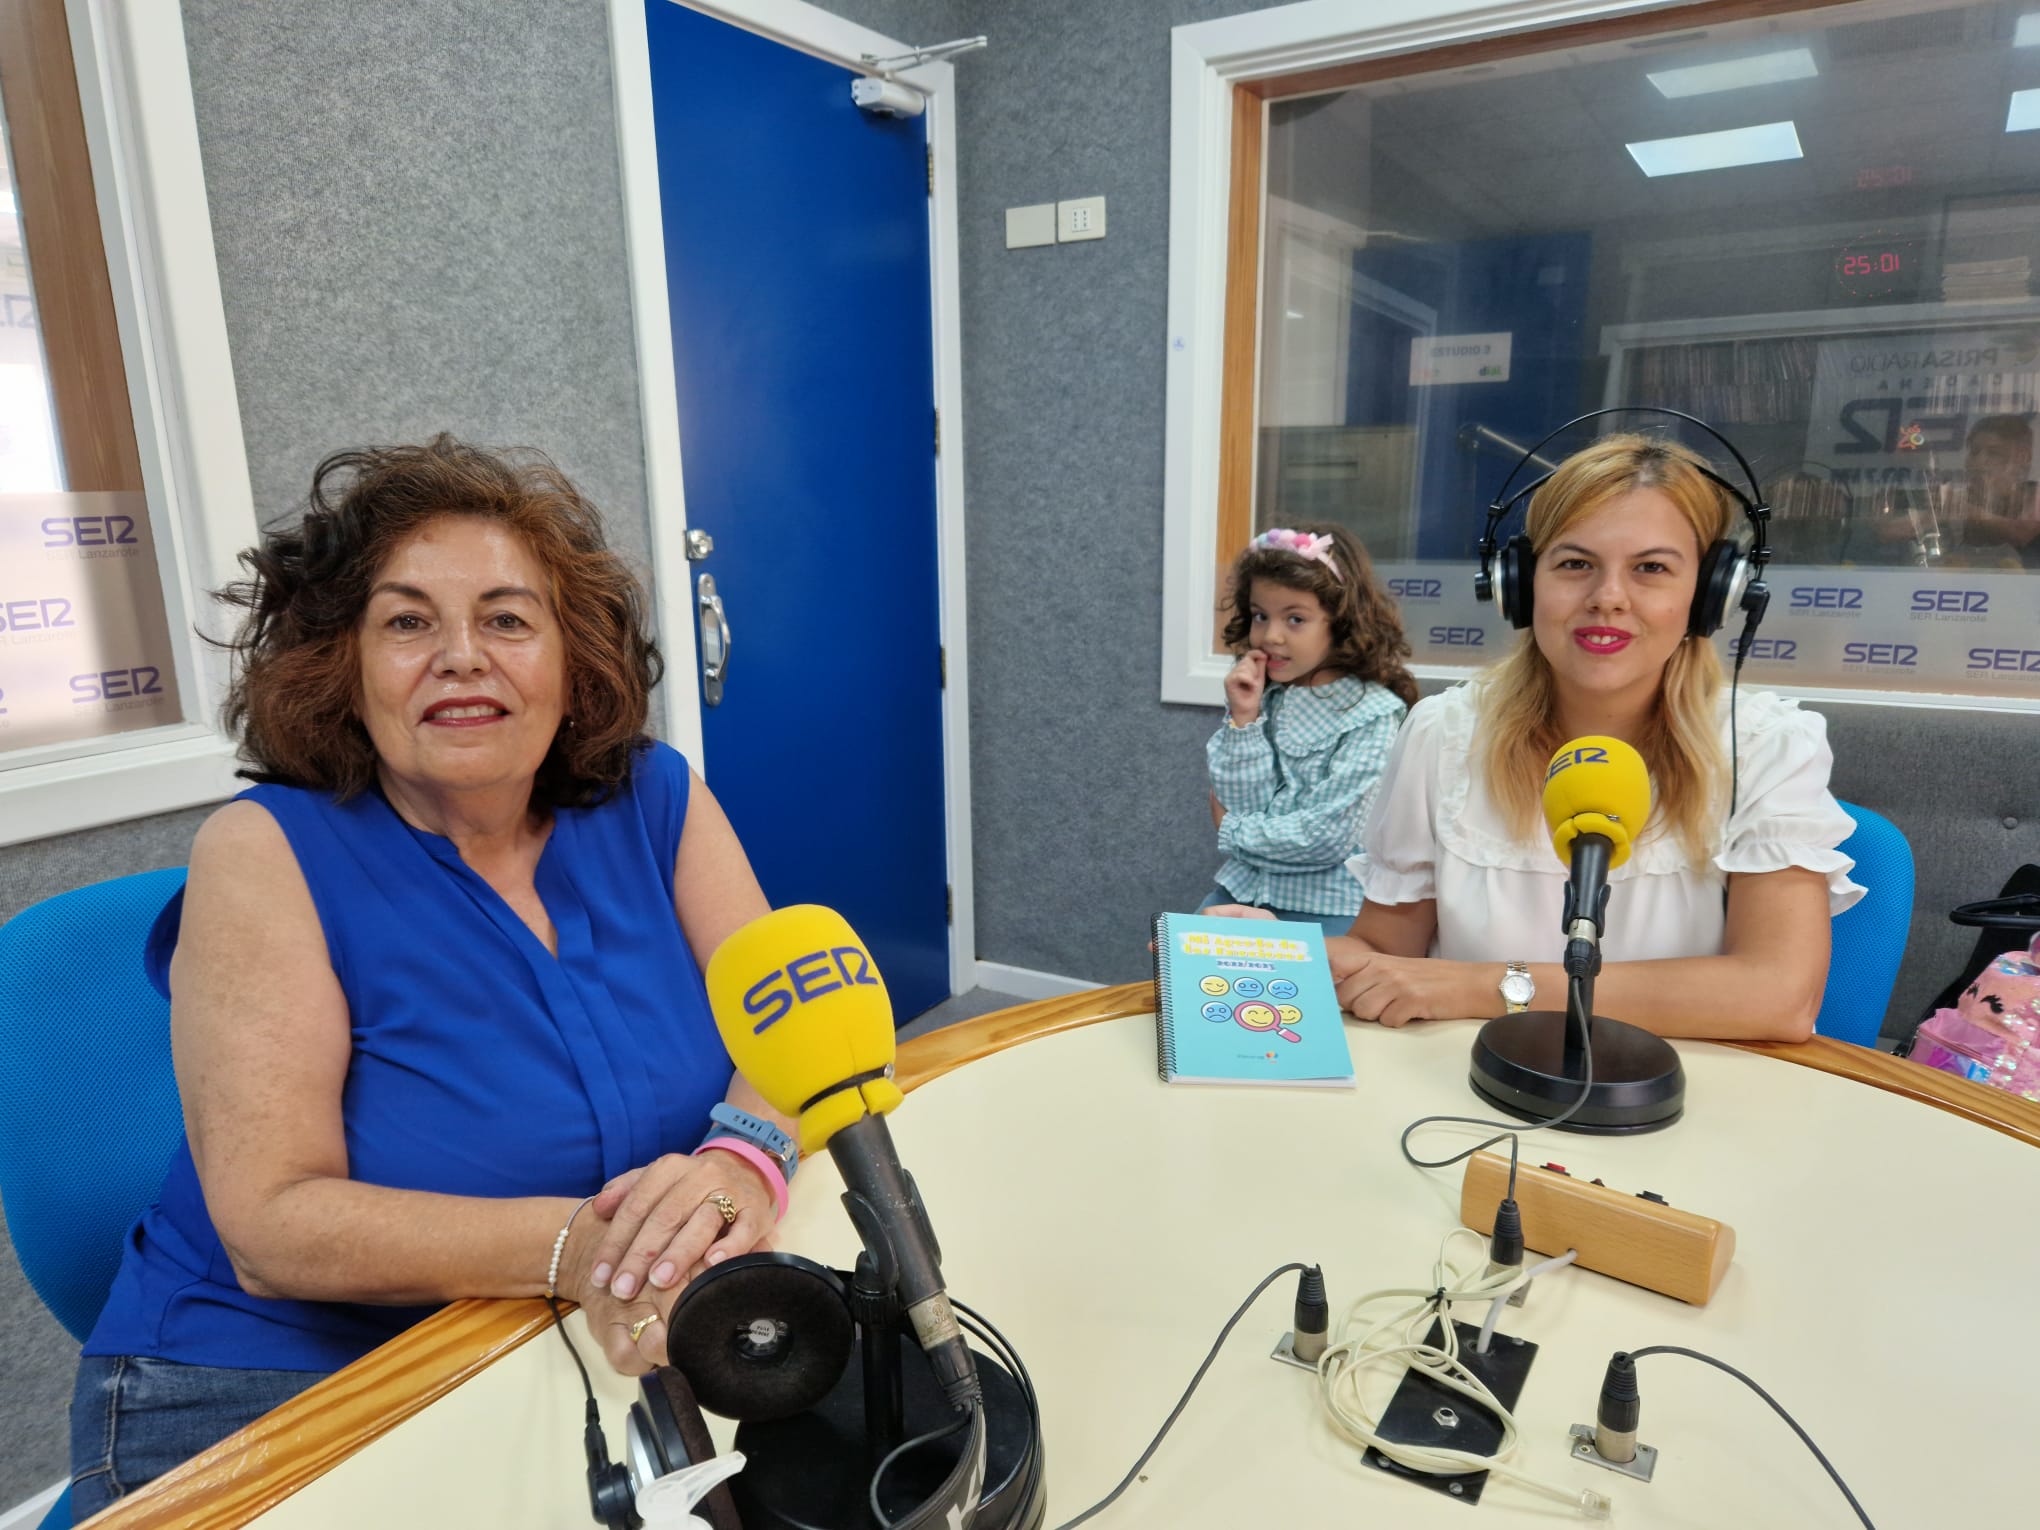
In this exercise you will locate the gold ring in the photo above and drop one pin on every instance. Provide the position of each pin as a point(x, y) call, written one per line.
point(637, 1329)
point(722, 1203)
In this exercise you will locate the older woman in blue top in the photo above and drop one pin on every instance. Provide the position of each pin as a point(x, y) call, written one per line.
point(437, 977)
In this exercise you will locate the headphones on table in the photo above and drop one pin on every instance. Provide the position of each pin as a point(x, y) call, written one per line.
point(1731, 571)
point(764, 1337)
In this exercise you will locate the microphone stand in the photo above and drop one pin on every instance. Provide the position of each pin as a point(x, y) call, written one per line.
point(1575, 1070)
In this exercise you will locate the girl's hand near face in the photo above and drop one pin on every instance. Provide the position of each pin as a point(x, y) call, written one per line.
point(1244, 683)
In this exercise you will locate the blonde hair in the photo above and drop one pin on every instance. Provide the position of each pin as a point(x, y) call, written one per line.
point(1517, 699)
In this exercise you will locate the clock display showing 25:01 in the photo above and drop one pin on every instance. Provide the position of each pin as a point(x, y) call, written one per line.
point(1877, 266)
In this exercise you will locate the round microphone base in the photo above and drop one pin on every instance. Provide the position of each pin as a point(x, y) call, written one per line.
point(1523, 1067)
point(812, 1471)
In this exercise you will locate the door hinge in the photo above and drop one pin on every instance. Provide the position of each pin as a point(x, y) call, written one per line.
point(942, 666)
point(948, 903)
point(931, 170)
point(938, 432)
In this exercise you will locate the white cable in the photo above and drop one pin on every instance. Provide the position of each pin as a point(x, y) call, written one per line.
point(1494, 1312)
point(1400, 1338)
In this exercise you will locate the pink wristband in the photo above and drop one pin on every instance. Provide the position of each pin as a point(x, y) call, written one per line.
point(757, 1158)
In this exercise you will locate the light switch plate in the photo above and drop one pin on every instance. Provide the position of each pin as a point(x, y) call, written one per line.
point(1029, 226)
point(1083, 218)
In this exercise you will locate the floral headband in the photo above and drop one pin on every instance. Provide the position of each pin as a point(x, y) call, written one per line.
point(1303, 543)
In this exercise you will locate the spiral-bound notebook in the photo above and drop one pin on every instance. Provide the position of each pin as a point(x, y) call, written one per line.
point(1246, 1001)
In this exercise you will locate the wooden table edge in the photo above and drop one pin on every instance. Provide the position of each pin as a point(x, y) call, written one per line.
point(254, 1470)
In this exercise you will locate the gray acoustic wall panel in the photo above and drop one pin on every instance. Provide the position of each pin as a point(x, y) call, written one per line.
point(1088, 794)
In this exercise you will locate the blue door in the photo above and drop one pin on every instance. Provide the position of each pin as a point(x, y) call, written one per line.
point(797, 268)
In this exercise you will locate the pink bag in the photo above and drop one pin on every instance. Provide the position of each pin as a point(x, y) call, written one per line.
point(1993, 1033)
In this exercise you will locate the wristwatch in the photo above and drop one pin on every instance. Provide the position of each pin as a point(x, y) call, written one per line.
point(728, 1121)
point(1517, 988)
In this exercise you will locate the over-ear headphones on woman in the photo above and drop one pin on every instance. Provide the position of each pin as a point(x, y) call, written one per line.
point(1731, 572)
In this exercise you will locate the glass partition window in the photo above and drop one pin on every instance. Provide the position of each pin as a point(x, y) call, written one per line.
point(85, 648)
point(28, 431)
point(1818, 232)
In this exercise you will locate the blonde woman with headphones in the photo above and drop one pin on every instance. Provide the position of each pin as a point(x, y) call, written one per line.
point(1718, 923)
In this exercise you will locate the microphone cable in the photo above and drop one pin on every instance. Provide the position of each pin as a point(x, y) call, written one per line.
point(1182, 1402)
point(1401, 1337)
point(1777, 1408)
point(979, 1327)
point(1512, 1132)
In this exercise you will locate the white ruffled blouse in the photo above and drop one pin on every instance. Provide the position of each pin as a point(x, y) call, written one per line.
point(1435, 833)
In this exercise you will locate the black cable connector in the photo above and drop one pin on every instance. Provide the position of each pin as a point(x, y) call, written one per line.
point(1505, 1246)
point(1616, 1414)
point(1313, 1318)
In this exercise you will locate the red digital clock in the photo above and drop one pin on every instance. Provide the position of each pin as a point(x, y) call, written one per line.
point(1877, 267)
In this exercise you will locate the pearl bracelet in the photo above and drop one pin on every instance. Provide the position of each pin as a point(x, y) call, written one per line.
point(552, 1271)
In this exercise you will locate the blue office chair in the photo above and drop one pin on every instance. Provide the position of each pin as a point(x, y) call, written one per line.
point(89, 1116)
point(1869, 939)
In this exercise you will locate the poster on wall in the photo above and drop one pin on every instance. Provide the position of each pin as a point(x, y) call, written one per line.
point(84, 644)
point(1891, 417)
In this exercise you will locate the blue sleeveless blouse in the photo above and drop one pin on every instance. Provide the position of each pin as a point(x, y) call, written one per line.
point(482, 1064)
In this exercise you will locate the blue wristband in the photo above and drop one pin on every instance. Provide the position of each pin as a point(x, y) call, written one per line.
point(768, 1138)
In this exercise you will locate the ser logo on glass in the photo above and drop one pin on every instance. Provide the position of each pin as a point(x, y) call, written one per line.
point(1769, 650)
point(45, 615)
point(116, 684)
point(90, 531)
point(1459, 637)
point(1950, 603)
point(1826, 597)
point(2018, 661)
point(1892, 655)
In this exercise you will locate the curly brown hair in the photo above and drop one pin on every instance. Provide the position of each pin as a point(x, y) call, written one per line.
point(1367, 635)
point(295, 695)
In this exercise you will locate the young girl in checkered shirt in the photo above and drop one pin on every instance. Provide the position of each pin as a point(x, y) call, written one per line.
point(1312, 705)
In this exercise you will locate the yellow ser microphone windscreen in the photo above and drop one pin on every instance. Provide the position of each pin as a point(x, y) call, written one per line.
point(1596, 785)
point(806, 1019)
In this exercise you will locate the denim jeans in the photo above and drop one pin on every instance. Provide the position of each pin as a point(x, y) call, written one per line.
point(1333, 924)
point(133, 1418)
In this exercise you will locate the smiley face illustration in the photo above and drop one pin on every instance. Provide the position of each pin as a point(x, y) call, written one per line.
point(1282, 988)
point(1217, 1011)
point(1290, 1013)
point(1259, 1015)
point(1247, 987)
point(1215, 985)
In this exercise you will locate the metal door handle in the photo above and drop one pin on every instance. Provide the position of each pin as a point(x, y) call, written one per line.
point(715, 641)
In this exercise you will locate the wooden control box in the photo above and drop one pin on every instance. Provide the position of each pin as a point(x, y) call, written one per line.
point(1618, 1233)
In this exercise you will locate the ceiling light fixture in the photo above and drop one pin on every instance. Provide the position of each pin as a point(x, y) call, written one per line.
point(1735, 73)
point(1758, 145)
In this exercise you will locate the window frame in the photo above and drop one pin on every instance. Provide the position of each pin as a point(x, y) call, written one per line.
point(1224, 75)
point(141, 134)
